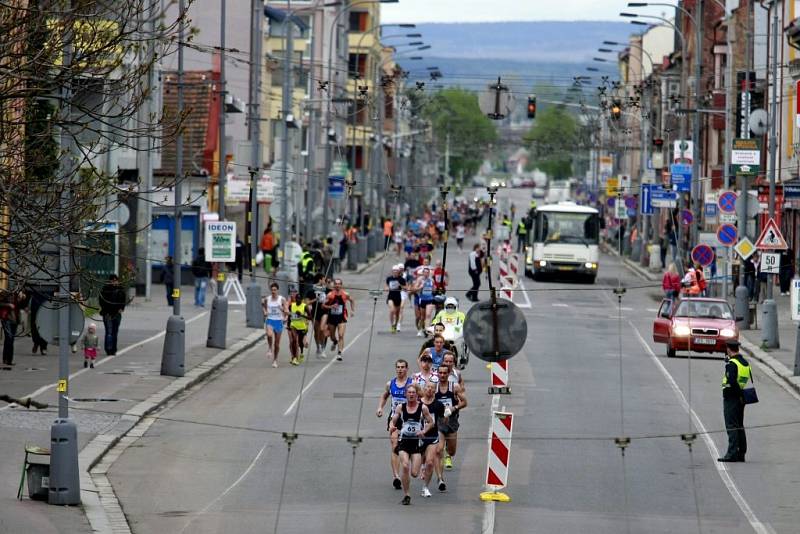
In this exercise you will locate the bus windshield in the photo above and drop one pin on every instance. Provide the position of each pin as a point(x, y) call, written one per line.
point(563, 227)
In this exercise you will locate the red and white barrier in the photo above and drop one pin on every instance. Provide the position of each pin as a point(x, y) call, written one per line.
point(500, 374)
point(499, 450)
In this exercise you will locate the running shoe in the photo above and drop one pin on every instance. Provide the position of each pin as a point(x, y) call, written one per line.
point(394, 329)
point(397, 484)
point(425, 492)
point(275, 363)
point(442, 486)
point(420, 333)
point(406, 500)
point(448, 462)
point(301, 358)
point(339, 357)
point(293, 361)
point(322, 355)
point(398, 327)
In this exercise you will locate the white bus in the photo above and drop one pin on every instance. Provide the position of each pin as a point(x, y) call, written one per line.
point(565, 242)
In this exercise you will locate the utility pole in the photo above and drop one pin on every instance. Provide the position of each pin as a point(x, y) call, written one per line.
point(697, 189)
point(769, 332)
point(64, 487)
point(645, 130)
point(283, 276)
point(741, 293)
point(254, 315)
point(218, 322)
point(173, 355)
point(726, 169)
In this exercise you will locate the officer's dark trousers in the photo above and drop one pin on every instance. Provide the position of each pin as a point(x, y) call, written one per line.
point(733, 411)
point(472, 294)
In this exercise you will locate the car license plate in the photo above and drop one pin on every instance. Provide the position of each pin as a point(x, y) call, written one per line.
point(704, 341)
point(566, 268)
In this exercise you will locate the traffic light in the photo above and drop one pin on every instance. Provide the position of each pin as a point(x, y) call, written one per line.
point(616, 110)
point(532, 106)
point(658, 143)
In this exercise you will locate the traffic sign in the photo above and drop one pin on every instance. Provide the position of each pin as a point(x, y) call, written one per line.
point(612, 186)
point(479, 332)
point(795, 299)
point(620, 211)
point(729, 218)
point(745, 248)
point(726, 235)
point(646, 203)
point(610, 201)
point(710, 210)
point(746, 156)
point(703, 254)
point(770, 262)
point(727, 202)
point(686, 217)
point(47, 321)
point(630, 202)
point(771, 238)
point(663, 198)
point(681, 176)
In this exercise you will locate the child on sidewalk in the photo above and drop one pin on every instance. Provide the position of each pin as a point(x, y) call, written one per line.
point(90, 342)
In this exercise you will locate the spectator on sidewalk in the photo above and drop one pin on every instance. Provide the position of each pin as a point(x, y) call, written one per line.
point(168, 278)
point(387, 232)
point(671, 282)
point(269, 245)
point(786, 272)
point(201, 269)
point(750, 277)
point(37, 299)
point(90, 343)
point(112, 303)
point(11, 310)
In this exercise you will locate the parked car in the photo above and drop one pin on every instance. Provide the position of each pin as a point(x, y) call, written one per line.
point(694, 324)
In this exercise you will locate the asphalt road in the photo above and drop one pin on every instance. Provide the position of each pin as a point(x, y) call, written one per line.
point(589, 372)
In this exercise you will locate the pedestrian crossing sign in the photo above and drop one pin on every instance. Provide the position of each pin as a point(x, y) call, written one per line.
point(745, 248)
point(771, 238)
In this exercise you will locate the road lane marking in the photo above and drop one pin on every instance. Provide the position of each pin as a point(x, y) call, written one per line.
point(722, 469)
point(105, 360)
point(560, 305)
point(321, 371)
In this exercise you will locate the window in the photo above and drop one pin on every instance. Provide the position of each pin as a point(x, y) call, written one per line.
point(359, 156)
point(360, 109)
point(357, 65)
point(388, 106)
point(300, 70)
point(704, 309)
point(358, 21)
point(573, 228)
point(278, 29)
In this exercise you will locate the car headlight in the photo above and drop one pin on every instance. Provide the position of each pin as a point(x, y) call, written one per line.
point(727, 332)
point(590, 265)
point(681, 330)
point(543, 263)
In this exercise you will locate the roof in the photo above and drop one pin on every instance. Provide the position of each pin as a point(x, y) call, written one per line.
point(566, 207)
point(199, 122)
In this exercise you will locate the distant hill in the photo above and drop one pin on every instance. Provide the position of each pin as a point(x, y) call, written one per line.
point(525, 53)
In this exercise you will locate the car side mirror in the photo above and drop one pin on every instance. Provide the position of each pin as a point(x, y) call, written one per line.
point(665, 315)
point(739, 319)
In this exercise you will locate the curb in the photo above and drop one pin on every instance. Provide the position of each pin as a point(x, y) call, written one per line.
point(374, 261)
point(100, 503)
point(780, 370)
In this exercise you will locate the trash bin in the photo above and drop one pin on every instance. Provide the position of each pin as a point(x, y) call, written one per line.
point(38, 481)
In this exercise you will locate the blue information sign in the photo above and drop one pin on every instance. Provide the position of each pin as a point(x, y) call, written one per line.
point(336, 187)
point(663, 198)
point(681, 176)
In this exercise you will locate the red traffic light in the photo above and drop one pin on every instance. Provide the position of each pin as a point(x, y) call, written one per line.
point(532, 107)
point(658, 142)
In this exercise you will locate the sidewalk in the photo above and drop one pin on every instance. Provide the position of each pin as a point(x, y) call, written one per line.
point(107, 401)
point(780, 360)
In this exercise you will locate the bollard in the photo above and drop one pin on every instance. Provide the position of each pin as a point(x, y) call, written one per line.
point(352, 256)
point(254, 315)
point(370, 244)
point(769, 325)
point(218, 323)
point(655, 258)
point(64, 485)
point(362, 249)
point(741, 309)
point(172, 358)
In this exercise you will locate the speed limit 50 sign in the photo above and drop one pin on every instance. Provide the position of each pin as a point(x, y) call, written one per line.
point(770, 263)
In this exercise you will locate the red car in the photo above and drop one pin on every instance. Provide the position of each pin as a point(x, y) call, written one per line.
point(696, 324)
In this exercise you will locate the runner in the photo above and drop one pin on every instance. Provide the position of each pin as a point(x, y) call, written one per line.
point(403, 297)
point(433, 440)
point(275, 310)
point(425, 373)
point(398, 242)
point(394, 299)
point(440, 278)
point(315, 298)
point(436, 352)
point(438, 330)
point(396, 389)
point(455, 375)
point(298, 326)
point(336, 304)
point(412, 420)
point(460, 233)
point(453, 397)
point(423, 288)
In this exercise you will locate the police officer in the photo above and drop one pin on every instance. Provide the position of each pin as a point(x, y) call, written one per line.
point(522, 235)
point(306, 270)
point(737, 374)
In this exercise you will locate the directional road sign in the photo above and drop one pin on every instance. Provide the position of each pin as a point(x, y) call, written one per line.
point(703, 254)
point(771, 238)
point(663, 198)
point(646, 203)
point(745, 248)
point(727, 202)
point(726, 235)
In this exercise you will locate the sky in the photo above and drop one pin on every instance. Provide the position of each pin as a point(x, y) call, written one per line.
point(500, 10)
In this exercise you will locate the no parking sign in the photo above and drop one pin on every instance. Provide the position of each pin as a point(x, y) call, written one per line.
point(703, 254)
